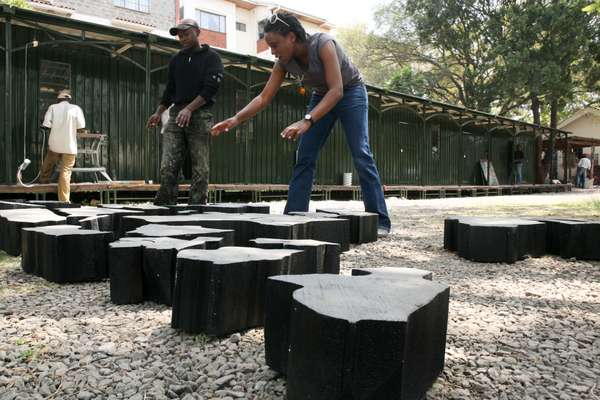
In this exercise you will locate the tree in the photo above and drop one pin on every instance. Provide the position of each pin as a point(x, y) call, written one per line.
point(453, 42)
point(409, 81)
point(16, 3)
point(594, 7)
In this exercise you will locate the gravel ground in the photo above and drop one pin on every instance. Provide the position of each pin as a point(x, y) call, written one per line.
point(530, 330)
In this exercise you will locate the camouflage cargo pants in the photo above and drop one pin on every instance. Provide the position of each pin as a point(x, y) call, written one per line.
point(176, 141)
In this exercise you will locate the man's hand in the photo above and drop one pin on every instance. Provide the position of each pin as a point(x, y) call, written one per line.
point(294, 131)
point(153, 121)
point(183, 118)
point(224, 126)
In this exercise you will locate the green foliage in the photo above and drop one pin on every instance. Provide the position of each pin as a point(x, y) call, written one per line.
point(16, 3)
point(593, 8)
point(409, 81)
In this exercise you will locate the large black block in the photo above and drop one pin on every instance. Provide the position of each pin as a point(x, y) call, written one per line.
point(223, 291)
point(53, 204)
point(144, 208)
point(393, 273)
point(74, 215)
point(143, 268)
point(572, 238)
point(14, 204)
point(363, 225)
point(65, 253)
point(321, 257)
point(13, 220)
point(238, 208)
point(252, 226)
point(380, 336)
point(215, 238)
point(495, 239)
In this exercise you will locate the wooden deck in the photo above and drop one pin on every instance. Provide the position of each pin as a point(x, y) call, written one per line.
point(112, 192)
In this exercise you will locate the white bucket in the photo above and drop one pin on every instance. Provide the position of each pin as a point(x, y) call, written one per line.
point(347, 179)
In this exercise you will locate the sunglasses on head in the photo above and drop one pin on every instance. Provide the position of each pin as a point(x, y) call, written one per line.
point(274, 18)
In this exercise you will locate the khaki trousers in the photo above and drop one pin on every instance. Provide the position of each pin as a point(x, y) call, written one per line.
point(67, 161)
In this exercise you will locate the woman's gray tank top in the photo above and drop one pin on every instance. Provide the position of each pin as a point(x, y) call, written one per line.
point(314, 76)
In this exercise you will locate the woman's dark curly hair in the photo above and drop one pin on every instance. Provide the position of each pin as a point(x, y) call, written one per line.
point(293, 25)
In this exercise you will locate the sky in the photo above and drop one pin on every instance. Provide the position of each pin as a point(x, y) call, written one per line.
point(339, 12)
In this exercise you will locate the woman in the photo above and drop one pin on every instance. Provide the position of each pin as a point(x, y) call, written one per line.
point(338, 93)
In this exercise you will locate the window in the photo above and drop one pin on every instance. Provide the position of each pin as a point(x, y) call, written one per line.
point(261, 28)
point(137, 5)
point(181, 14)
point(240, 26)
point(210, 21)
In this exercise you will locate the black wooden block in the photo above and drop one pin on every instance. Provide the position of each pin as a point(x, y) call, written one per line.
point(66, 253)
point(238, 208)
point(252, 226)
point(222, 291)
point(321, 257)
point(12, 221)
point(144, 208)
point(96, 223)
point(214, 238)
point(143, 268)
point(393, 273)
point(14, 204)
point(74, 215)
point(362, 337)
point(572, 238)
point(495, 239)
point(363, 225)
point(53, 204)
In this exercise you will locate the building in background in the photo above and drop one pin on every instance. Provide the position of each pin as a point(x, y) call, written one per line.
point(237, 25)
point(234, 25)
point(153, 16)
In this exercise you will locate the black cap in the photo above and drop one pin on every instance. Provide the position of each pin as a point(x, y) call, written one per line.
point(184, 25)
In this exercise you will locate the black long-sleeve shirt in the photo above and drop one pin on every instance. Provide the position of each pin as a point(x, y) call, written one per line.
point(193, 73)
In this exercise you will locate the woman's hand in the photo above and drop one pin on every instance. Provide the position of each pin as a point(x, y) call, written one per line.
point(294, 131)
point(224, 126)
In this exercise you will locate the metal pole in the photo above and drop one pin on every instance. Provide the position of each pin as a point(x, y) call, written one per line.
point(8, 100)
point(489, 152)
point(424, 152)
point(566, 154)
point(148, 68)
point(246, 138)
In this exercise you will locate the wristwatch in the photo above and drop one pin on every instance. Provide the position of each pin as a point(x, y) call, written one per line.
point(309, 118)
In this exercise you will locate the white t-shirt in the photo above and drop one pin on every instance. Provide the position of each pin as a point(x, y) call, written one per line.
point(63, 119)
point(585, 163)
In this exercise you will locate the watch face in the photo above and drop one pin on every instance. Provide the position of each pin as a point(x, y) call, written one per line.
point(308, 116)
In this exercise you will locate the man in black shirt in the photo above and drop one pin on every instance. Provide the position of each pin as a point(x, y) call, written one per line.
point(195, 74)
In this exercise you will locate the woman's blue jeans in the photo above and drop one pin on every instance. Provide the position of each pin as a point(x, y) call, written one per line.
point(352, 111)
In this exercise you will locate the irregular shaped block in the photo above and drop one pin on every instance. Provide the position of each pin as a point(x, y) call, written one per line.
point(97, 223)
point(14, 204)
point(321, 257)
point(214, 238)
point(74, 215)
point(363, 225)
point(12, 221)
point(223, 291)
point(494, 239)
point(143, 268)
point(65, 253)
point(53, 204)
point(572, 238)
point(144, 208)
point(360, 337)
point(393, 273)
point(252, 226)
point(232, 208)
point(238, 208)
